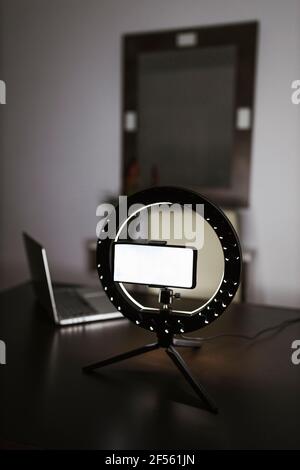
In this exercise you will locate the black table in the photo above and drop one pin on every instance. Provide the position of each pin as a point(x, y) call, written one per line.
point(144, 403)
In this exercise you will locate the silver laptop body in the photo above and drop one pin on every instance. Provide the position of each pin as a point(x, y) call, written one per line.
point(67, 306)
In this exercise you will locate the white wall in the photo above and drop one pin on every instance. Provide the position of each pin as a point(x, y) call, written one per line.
point(61, 136)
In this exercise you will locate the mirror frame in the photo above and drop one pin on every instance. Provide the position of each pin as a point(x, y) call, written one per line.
point(244, 37)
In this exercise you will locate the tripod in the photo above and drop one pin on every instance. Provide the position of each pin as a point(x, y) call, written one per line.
point(166, 341)
point(173, 354)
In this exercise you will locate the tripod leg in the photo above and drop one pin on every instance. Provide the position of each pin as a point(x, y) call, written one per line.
point(121, 357)
point(179, 362)
point(187, 343)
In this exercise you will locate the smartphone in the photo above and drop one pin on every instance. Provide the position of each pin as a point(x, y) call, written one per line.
point(155, 265)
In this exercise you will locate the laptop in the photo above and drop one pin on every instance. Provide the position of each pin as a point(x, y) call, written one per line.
point(66, 306)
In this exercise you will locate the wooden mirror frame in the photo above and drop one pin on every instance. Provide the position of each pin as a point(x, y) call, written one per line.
point(241, 35)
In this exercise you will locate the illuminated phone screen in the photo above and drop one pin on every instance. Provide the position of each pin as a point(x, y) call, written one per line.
point(155, 265)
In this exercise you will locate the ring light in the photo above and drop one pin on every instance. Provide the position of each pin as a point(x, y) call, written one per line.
point(167, 323)
point(177, 322)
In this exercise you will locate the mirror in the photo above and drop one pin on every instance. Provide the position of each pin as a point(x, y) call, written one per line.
point(188, 99)
point(186, 103)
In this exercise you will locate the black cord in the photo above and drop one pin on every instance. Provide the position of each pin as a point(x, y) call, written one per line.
point(247, 337)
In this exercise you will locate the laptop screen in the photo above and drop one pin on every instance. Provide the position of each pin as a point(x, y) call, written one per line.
point(39, 271)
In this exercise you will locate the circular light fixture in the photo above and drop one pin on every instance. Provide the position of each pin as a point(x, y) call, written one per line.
point(176, 322)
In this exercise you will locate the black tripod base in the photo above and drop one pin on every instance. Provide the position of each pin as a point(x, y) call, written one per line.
point(121, 357)
point(175, 357)
point(196, 386)
point(187, 343)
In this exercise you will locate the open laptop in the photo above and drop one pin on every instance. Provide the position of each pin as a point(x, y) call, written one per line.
point(67, 306)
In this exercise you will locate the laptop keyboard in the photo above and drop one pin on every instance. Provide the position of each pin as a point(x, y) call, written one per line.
point(70, 305)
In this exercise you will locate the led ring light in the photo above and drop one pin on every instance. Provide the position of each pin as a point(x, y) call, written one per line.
point(168, 323)
point(176, 323)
